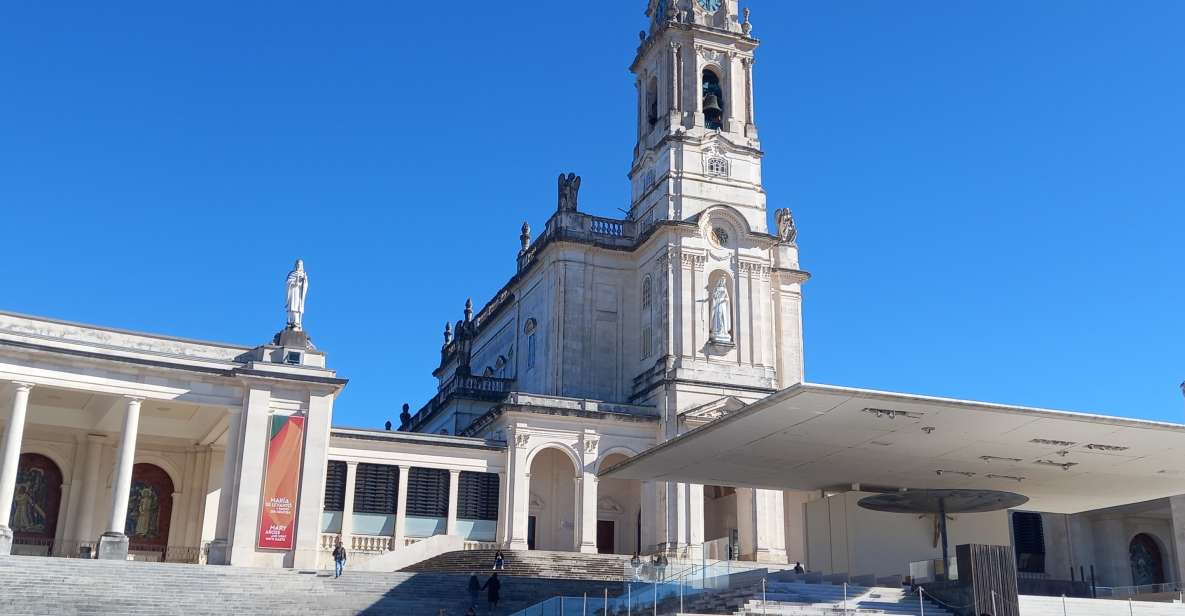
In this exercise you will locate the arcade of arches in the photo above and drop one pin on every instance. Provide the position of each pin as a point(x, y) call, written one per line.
point(39, 513)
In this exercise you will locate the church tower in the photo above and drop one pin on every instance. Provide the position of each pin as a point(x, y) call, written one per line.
point(697, 137)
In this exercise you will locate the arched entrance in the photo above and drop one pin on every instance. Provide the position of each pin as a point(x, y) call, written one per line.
point(35, 504)
point(619, 510)
point(552, 521)
point(1146, 561)
point(150, 509)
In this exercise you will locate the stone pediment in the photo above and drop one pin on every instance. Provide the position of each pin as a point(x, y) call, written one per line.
point(713, 410)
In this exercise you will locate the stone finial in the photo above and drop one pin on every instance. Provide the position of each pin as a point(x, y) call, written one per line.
point(448, 333)
point(387, 425)
point(525, 238)
point(746, 26)
point(469, 310)
point(569, 192)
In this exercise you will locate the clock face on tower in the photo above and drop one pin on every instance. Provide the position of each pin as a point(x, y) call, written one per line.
point(710, 6)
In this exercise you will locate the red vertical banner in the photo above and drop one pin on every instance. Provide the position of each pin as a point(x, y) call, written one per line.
point(281, 483)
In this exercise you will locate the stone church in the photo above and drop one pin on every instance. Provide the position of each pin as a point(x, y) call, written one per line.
point(615, 334)
point(611, 338)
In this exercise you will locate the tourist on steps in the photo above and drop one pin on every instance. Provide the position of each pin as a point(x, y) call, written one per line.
point(798, 568)
point(339, 559)
point(493, 588)
point(499, 561)
point(474, 589)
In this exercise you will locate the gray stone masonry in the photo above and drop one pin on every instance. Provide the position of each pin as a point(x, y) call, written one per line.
point(53, 586)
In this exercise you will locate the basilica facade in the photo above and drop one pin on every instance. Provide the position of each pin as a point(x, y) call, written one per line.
point(615, 334)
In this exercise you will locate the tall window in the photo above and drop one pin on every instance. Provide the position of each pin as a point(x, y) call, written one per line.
point(713, 101)
point(427, 492)
point(647, 317)
point(652, 103)
point(335, 486)
point(477, 496)
point(529, 332)
point(1028, 537)
point(376, 489)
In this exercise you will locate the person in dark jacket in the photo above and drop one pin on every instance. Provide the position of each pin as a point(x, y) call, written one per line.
point(493, 588)
point(474, 589)
point(339, 559)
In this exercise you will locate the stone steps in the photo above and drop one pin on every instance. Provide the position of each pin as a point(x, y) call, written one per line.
point(45, 586)
point(537, 564)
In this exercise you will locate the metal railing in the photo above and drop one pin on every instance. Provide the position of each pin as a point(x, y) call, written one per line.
point(53, 548)
point(1117, 592)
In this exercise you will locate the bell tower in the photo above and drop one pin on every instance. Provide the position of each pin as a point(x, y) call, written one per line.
point(697, 137)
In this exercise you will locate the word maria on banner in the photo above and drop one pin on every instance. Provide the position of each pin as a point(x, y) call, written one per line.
point(281, 482)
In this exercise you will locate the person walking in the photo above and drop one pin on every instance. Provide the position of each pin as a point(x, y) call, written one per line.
point(339, 559)
point(798, 568)
point(493, 588)
point(499, 561)
point(474, 590)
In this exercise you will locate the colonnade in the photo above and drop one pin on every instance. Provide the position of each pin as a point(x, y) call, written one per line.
point(114, 543)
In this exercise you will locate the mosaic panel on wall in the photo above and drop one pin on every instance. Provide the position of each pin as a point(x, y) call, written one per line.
point(150, 506)
point(37, 498)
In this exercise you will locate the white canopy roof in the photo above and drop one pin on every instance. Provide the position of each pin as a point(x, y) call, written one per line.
point(820, 437)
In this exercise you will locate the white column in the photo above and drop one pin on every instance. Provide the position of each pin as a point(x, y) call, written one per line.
point(85, 520)
point(503, 516)
point(126, 458)
point(454, 478)
point(246, 485)
point(1177, 516)
point(11, 460)
point(348, 505)
point(650, 517)
point(401, 507)
point(770, 526)
point(519, 488)
point(695, 516)
point(312, 480)
point(586, 483)
point(229, 473)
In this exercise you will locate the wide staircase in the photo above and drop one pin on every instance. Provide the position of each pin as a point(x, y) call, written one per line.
point(1053, 606)
point(533, 564)
point(35, 586)
point(792, 598)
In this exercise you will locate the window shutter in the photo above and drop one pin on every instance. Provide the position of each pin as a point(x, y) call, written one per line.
point(376, 488)
point(477, 495)
point(335, 486)
point(427, 492)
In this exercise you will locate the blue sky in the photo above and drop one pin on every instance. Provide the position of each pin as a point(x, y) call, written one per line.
point(990, 195)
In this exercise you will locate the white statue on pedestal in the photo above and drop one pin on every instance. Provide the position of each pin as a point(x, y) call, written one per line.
point(298, 290)
point(721, 329)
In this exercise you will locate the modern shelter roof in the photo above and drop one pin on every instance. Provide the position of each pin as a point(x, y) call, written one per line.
point(823, 437)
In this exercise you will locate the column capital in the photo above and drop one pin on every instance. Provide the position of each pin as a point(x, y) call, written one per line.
point(22, 386)
point(454, 471)
point(130, 399)
point(351, 463)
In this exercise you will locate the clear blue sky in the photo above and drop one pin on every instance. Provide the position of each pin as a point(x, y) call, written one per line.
point(991, 194)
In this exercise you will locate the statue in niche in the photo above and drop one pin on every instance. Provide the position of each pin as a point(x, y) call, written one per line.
point(721, 330)
point(569, 192)
point(298, 291)
point(787, 230)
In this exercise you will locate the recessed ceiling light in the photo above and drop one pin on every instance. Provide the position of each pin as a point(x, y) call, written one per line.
point(998, 459)
point(1053, 442)
point(1098, 447)
point(1065, 466)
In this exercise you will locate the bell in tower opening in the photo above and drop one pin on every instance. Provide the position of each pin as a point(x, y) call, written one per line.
point(713, 101)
